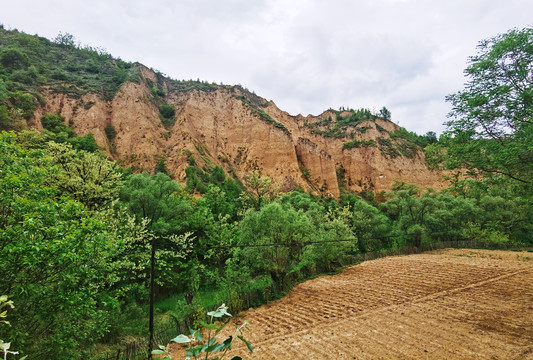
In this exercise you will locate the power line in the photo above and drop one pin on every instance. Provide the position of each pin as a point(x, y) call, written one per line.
point(305, 243)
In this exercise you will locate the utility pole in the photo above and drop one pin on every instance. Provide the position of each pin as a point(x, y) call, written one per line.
point(151, 342)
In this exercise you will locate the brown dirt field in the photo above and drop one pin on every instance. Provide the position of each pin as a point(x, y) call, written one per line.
point(445, 304)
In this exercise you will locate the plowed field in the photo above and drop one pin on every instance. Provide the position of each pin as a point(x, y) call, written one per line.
point(446, 304)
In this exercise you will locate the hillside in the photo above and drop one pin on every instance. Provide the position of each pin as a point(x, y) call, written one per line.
point(149, 117)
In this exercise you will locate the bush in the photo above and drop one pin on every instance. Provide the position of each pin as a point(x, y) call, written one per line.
point(53, 122)
point(167, 113)
point(161, 167)
point(92, 67)
point(5, 119)
point(25, 103)
point(110, 131)
point(13, 58)
point(359, 143)
point(158, 92)
point(59, 75)
point(87, 143)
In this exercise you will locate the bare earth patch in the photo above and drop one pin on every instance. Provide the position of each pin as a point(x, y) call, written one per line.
point(445, 304)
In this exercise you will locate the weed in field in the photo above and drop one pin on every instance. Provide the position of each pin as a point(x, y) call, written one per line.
point(210, 345)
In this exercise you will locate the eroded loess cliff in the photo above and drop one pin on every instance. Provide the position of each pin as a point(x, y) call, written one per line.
point(239, 131)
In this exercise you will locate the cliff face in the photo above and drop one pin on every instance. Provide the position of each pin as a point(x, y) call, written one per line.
point(232, 128)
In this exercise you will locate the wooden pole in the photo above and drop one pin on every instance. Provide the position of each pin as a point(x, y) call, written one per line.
point(151, 342)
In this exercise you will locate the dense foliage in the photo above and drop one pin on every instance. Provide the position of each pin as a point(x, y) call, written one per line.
point(30, 62)
point(56, 257)
point(492, 118)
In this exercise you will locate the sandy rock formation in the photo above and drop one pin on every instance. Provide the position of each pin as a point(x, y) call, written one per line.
point(229, 127)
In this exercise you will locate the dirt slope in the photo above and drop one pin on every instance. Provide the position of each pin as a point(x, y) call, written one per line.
point(239, 131)
point(448, 304)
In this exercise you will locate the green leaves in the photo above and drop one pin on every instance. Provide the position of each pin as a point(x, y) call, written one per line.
point(56, 258)
point(155, 198)
point(248, 344)
point(210, 345)
point(220, 312)
point(274, 225)
point(492, 118)
point(181, 339)
point(87, 177)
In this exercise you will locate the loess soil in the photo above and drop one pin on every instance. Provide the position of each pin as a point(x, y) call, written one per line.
point(446, 304)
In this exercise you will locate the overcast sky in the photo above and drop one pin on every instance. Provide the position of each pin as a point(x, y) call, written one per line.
point(305, 55)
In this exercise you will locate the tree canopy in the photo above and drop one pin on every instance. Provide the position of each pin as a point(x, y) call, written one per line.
point(55, 258)
point(491, 129)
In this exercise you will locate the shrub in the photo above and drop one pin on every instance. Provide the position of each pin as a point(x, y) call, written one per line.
point(87, 143)
point(92, 67)
point(110, 131)
point(167, 113)
point(161, 166)
point(59, 75)
point(13, 59)
point(157, 92)
point(306, 173)
point(387, 148)
point(359, 143)
point(25, 103)
point(5, 119)
point(53, 122)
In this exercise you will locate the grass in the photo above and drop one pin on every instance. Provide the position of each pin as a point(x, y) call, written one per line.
point(206, 297)
point(359, 143)
point(209, 297)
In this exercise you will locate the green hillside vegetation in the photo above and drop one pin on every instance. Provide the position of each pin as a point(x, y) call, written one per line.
point(338, 127)
point(30, 62)
point(77, 231)
point(398, 143)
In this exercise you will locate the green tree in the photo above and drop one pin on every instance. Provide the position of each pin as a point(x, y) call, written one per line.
point(87, 177)
point(328, 223)
point(492, 118)
point(261, 190)
point(24, 103)
point(283, 227)
point(409, 210)
point(53, 122)
point(328, 253)
point(385, 114)
point(370, 226)
point(56, 260)
point(86, 143)
point(155, 200)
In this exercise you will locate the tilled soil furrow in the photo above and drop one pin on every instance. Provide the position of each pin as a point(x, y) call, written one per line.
point(430, 333)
